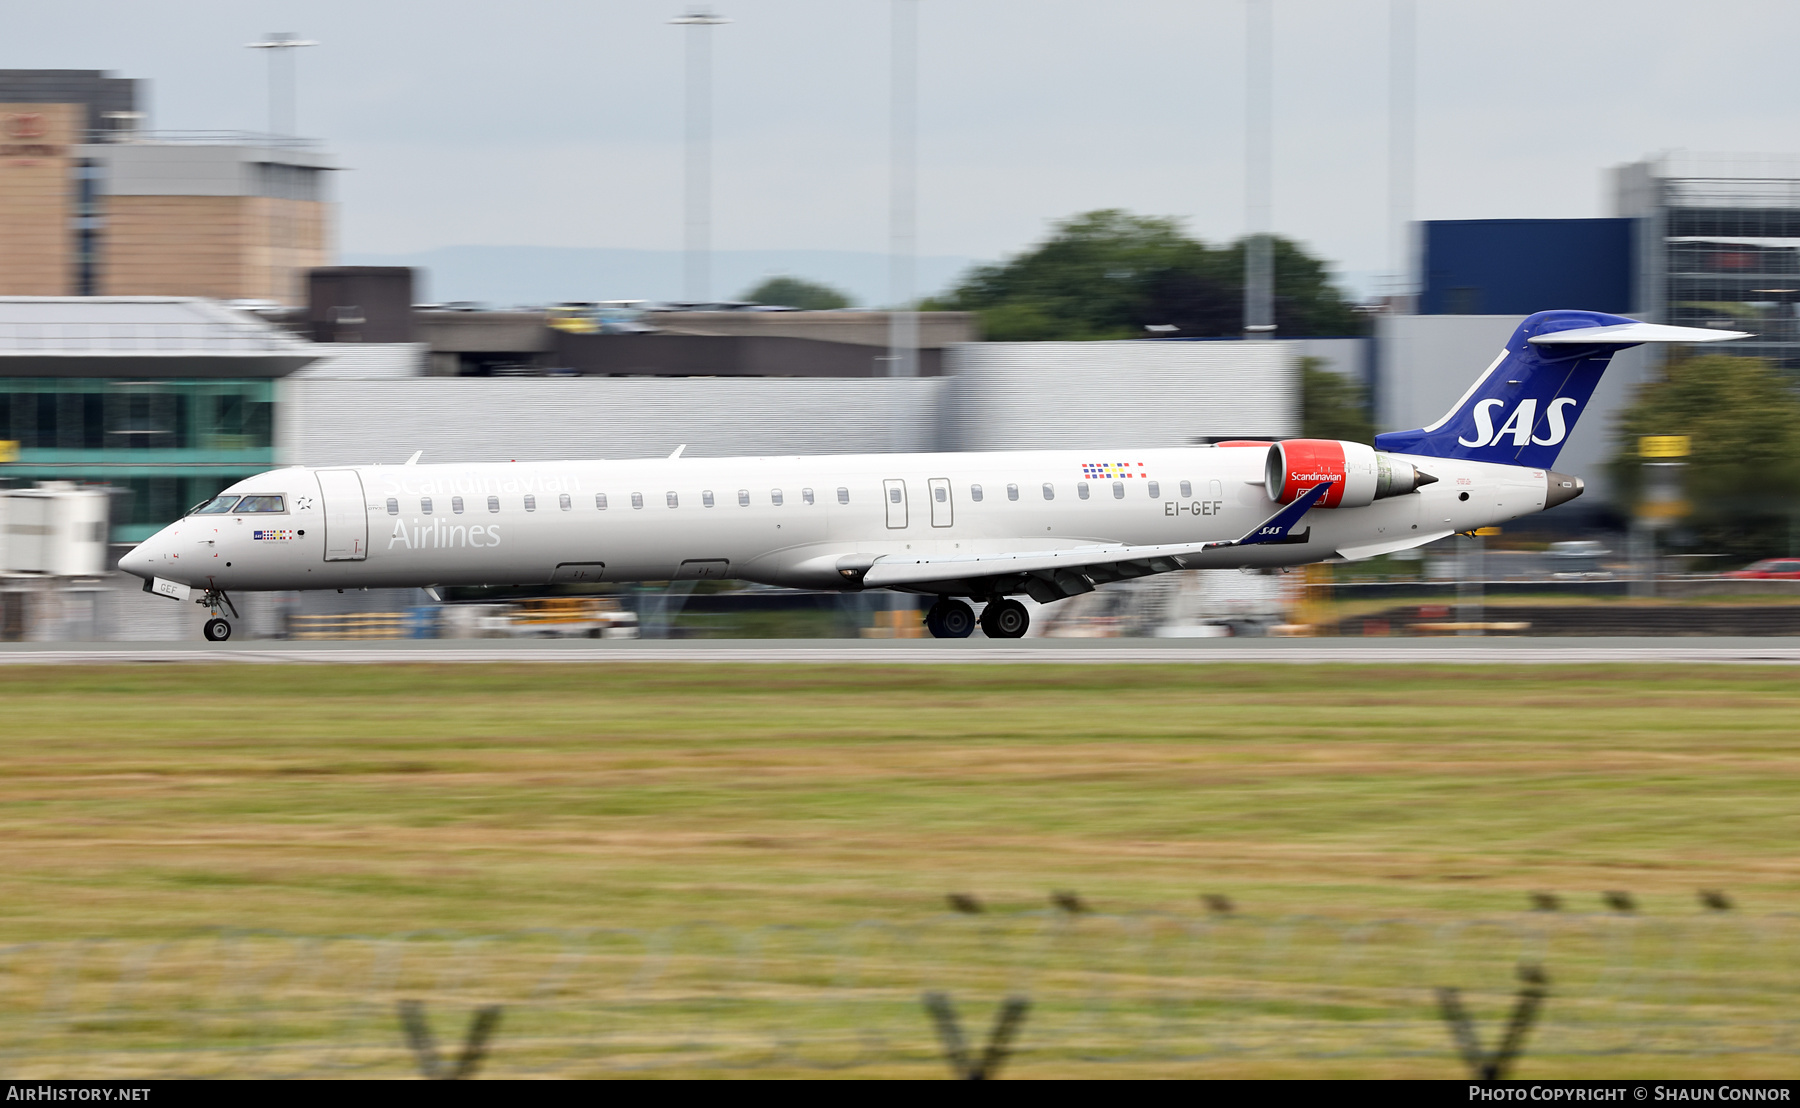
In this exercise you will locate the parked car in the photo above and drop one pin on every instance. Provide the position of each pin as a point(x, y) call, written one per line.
point(1776, 569)
point(1576, 559)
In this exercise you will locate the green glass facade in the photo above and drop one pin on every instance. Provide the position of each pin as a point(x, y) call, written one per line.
point(172, 443)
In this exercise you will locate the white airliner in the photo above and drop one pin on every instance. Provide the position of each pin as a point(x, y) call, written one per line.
point(982, 527)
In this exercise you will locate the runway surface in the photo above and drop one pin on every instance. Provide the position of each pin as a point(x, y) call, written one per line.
point(976, 651)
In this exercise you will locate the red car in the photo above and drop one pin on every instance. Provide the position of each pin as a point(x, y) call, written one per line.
point(1784, 569)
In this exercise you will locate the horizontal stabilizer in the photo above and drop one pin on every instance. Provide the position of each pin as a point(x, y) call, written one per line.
point(1632, 333)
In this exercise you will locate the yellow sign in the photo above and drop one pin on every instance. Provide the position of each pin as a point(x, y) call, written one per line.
point(1665, 446)
point(9, 450)
point(1664, 509)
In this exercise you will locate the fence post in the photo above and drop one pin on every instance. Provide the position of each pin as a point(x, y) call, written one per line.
point(424, 1046)
point(1494, 1067)
point(956, 1051)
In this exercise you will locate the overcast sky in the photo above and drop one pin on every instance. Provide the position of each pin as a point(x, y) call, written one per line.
point(541, 122)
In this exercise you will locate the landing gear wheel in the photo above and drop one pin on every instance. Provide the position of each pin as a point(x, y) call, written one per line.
point(950, 619)
point(1005, 619)
point(218, 630)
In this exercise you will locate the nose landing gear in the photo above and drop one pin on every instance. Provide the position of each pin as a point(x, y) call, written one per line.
point(217, 629)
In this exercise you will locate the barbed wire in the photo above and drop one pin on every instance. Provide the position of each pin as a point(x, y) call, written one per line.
point(1102, 990)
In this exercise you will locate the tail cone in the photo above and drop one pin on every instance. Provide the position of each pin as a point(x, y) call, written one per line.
point(1560, 488)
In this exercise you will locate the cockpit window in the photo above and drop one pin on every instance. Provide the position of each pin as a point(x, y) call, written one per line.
point(218, 505)
point(258, 504)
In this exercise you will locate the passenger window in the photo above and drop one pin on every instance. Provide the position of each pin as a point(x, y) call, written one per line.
point(600, 502)
point(894, 495)
point(1118, 490)
point(1049, 491)
point(1217, 490)
point(637, 500)
point(975, 492)
point(393, 506)
point(531, 503)
point(1081, 490)
point(674, 501)
point(1187, 489)
point(456, 505)
point(775, 497)
point(706, 498)
point(743, 498)
point(493, 504)
point(942, 494)
point(1012, 492)
point(425, 505)
point(1155, 490)
point(806, 495)
point(258, 504)
point(564, 502)
point(843, 496)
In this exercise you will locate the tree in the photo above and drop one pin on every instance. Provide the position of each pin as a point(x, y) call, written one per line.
point(1111, 274)
point(792, 292)
point(1743, 477)
point(1332, 406)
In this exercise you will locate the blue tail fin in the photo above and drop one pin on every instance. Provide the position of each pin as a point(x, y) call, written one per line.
point(1522, 409)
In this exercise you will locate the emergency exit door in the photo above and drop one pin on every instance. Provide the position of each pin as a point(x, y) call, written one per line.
point(893, 491)
point(346, 516)
point(939, 488)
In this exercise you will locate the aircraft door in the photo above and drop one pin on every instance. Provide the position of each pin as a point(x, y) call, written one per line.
point(940, 501)
point(893, 492)
point(346, 516)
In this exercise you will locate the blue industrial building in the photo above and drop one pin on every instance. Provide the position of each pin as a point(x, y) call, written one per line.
point(1520, 266)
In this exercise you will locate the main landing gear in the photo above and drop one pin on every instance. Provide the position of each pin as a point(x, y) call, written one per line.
point(217, 629)
point(1002, 619)
point(950, 619)
point(1005, 619)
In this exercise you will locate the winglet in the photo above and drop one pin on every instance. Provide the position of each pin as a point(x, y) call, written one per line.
point(678, 451)
point(1278, 528)
point(414, 460)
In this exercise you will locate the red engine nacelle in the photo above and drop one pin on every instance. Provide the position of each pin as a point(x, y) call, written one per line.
point(1358, 474)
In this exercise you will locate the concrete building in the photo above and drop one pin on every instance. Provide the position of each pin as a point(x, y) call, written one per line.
point(1718, 245)
point(93, 203)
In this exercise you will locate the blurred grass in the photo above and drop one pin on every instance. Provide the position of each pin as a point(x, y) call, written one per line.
point(152, 802)
point(146, 801)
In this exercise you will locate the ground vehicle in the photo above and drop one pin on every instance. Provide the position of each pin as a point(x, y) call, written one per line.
point(1770, 569)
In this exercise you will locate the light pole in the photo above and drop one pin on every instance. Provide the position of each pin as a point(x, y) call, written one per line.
point(903, 322)
point(280, 45)
point(1402, 52)
point(698, 275)
point(1259, 260)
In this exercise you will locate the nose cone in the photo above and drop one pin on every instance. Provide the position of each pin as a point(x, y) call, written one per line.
point(136, 562)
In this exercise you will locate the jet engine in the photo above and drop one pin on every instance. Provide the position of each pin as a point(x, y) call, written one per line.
point(1358, 474)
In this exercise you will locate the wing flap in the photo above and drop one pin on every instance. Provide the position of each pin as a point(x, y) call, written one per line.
point(1097, 564)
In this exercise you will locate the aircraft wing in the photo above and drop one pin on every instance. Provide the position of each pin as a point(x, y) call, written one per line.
point(1052, 574)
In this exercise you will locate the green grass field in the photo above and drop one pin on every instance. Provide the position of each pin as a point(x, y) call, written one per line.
point(154, 802)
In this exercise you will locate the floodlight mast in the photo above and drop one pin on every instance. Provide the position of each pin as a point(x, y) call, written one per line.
point(279, 43)
point(1259, 260)
point(699, 23)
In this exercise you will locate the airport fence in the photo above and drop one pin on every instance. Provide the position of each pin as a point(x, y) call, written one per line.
point(1115, 993)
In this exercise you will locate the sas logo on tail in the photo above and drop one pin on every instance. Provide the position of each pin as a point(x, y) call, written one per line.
point(1520, 423)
